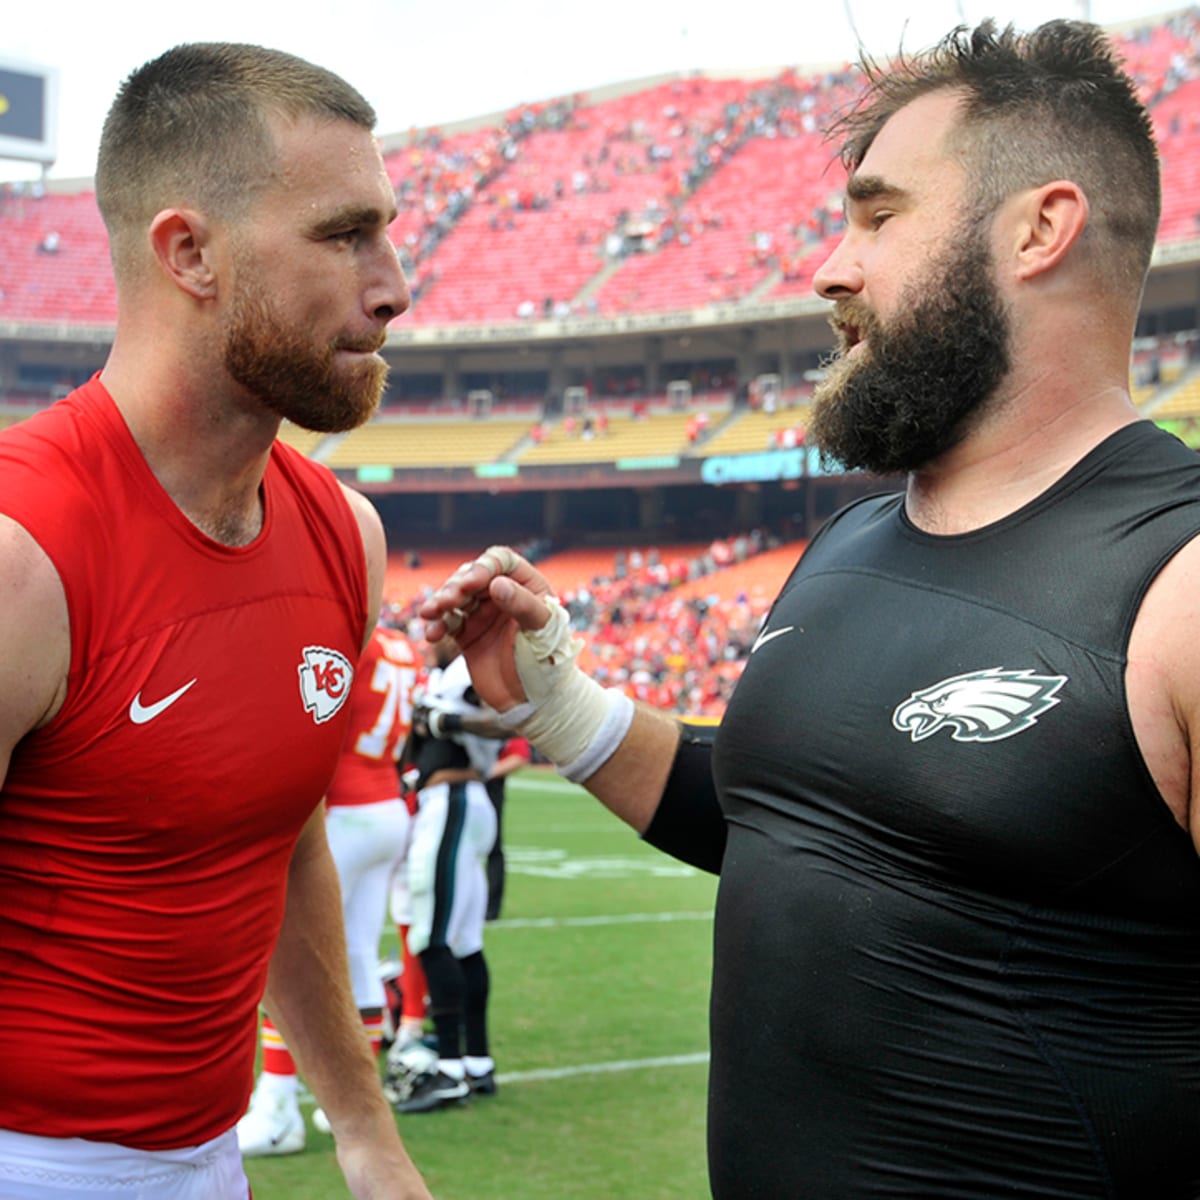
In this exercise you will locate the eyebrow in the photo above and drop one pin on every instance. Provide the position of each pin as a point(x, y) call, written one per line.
point(349, 218)
point(861, 188)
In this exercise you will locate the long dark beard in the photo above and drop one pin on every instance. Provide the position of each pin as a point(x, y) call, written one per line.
point(913, 391)
point(295, 378)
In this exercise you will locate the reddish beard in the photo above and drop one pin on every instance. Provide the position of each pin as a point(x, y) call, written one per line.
point(303, 381)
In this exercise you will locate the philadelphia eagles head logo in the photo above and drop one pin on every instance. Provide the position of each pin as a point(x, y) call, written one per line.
point(980, 706)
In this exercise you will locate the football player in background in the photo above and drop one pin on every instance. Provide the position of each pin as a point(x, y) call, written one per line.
point(515, 753)
point(453, 831)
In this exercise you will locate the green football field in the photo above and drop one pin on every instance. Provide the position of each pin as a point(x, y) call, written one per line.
point(600, 969)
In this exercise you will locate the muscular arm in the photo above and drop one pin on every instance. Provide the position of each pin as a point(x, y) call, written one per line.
point(309, 998)
point(308, 984)
point(375, 549)
point(631, 782)
point(35, 648)
point(1162, 679)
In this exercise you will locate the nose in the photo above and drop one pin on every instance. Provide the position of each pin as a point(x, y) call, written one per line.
point(388, 295)
point(840, 275)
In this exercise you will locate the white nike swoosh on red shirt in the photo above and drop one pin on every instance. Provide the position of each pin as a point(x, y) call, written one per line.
point(140, 713)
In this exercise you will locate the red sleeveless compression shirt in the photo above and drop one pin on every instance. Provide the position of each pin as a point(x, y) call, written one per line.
point(145, 832)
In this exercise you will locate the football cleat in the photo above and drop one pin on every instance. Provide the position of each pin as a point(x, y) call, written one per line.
point(272, 1125)
point(483, 1085)
point(428, 1091)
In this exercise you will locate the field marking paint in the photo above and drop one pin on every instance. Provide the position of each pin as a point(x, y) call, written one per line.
point(556, 783)
point(633, 1064)
point(305, 1097)
point(615, 919)
point(578, 827)
point(554, 863)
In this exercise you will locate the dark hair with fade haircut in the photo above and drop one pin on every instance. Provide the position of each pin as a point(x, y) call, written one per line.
point(1051, 104)
point(190, 127)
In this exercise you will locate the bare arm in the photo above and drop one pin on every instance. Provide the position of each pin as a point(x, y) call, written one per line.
point(1162, 680)
point(375, 548)
point(308, 985)
point(309, 998)
point(35, 644)
point(630, 783)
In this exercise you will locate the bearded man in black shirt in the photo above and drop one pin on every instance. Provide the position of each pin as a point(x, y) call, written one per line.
point(955, 800)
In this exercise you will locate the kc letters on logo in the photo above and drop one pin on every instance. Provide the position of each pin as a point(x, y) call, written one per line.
point(325, 677)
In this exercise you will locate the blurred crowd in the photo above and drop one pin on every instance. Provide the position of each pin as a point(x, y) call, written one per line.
point(653, 628)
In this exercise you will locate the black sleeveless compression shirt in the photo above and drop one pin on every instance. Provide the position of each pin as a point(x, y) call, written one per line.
point(957, 945)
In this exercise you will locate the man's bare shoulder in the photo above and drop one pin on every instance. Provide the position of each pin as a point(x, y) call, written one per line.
point(370, 526)
point(1163, 682)
point(35, 646)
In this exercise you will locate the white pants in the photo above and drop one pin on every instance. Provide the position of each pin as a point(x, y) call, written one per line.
point(366, 841)
point(38, 1168)
point(453, 832)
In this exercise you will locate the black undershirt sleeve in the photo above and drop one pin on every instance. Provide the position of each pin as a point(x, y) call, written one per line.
point(689, 824)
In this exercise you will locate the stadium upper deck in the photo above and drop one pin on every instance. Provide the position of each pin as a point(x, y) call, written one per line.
point(612, 243)
point(687, 193)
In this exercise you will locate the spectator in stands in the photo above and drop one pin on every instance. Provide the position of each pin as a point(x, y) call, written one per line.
point(185, 600)
point(954, 802)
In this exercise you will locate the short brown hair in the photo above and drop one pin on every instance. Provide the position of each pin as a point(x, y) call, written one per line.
point(190, 127)
point(1051, 104)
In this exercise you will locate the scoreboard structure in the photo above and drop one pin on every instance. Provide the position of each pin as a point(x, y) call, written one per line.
point(28, 111)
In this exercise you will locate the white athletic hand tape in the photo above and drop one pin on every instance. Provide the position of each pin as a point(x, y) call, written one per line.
point(499, 560)
point(570, 718)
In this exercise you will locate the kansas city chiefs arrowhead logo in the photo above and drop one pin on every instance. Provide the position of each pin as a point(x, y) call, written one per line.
point(980, 706)
point(325, 677)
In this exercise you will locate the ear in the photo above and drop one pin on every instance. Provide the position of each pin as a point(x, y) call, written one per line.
point(181, 240)
point(1051, 220)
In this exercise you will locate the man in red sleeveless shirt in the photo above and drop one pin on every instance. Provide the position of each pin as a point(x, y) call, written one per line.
point(185, 601)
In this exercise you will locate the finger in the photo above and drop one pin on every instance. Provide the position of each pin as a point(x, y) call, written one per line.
point(530, 611)
point(461, 590)
point(500, 560)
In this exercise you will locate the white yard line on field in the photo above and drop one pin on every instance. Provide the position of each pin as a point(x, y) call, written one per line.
point(604, 1068)
point(615, 919)
point(543, 1074)
point(551, 783)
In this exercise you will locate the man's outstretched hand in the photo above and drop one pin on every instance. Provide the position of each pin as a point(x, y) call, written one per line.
point(481, 607)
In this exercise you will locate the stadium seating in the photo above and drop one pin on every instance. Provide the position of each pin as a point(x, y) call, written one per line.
point(406, 584)
point(386, 441)
point(303, 440)
point(715, 191)
point(54, 251)
point(627, 436)
point(753, 432)
point(1182, 401)
point(643, 619)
